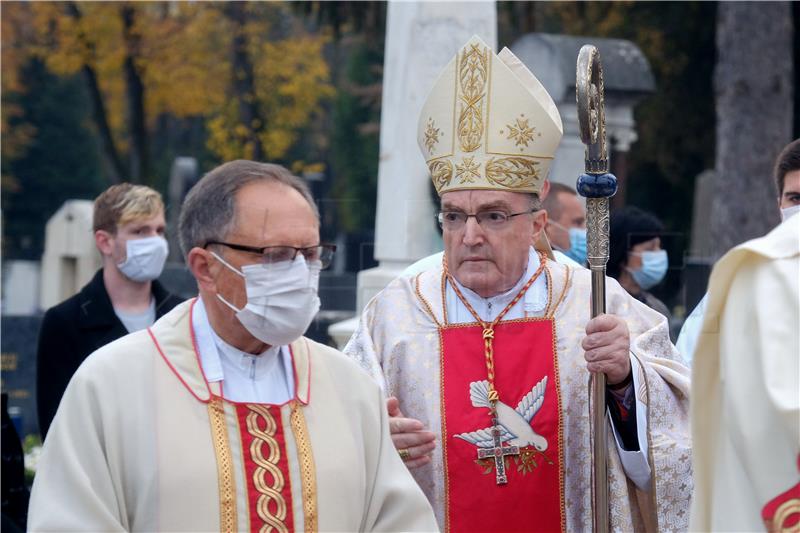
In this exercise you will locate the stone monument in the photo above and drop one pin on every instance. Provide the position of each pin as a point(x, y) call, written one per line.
point(421, 38)
point(70, 257)
point(182, 177)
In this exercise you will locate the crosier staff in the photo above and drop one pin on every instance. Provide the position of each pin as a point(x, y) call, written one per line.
point(597, 186)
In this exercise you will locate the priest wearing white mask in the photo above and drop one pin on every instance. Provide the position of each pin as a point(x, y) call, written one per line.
point(123, 296)
point(487, 355)
point(221, 416)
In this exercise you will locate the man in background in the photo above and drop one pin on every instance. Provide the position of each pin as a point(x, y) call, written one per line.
point(746, 370)
point(122, 297)
point(566, 222)
point(787, 180)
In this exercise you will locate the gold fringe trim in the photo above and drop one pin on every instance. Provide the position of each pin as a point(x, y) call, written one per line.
point(307, 469)
point(227, 491)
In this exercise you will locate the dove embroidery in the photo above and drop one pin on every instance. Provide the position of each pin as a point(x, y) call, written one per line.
point(515, 424)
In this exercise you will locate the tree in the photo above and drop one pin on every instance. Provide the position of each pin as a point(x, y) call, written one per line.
point(59, 162)
point(228, 63)
point(278, 80)
point(675, 125)
point(160, 79)
point(753, 85)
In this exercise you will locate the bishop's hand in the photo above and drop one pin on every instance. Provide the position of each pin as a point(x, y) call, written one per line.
point(607, 347)
point(413, 442)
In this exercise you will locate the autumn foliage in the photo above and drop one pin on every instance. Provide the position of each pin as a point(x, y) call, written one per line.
point(250, 71)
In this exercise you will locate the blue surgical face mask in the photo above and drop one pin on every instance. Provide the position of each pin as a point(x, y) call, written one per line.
point(577, 243)
point(653, 269)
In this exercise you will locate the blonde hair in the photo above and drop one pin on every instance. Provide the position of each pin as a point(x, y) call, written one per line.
point(124, 203)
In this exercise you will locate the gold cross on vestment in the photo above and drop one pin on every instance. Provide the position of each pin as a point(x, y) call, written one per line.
point(498, 453)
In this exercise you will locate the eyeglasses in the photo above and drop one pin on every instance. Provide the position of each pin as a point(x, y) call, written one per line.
point(492, 220)
point(322, 253)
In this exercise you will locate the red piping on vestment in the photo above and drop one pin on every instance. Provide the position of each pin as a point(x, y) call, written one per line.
point(205, 379)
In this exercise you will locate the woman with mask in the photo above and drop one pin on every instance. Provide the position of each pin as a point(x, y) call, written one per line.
point(636, 258)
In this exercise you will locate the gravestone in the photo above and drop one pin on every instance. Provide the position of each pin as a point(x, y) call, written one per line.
point(70, 257)
point(18, 367)
point(421, 38)
point(20, 287)
point(700, 258)
point(700, 248)
point(182, 177)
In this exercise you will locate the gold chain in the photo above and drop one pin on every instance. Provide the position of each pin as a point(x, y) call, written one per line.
point(488, 329)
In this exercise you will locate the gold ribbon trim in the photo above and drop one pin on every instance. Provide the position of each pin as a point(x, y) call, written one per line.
point(307, 469)
point(227, 491)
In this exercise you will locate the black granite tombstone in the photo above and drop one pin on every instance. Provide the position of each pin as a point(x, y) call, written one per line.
point(19, 339)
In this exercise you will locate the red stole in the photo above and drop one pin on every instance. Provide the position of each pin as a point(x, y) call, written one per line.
point(524, 356)
point(266, 465)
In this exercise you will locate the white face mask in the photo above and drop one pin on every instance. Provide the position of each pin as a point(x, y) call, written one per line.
point(788, 212)
point(145, 258)
point(281, 299)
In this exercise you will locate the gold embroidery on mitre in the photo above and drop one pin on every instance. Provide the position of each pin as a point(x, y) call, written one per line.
point(473, 74)
point(267, 463)
point(441, 173)
point(222, 450)
point(467, 135)
point(512, 172)
point(307, 469)
point(521, 132)
point(468, 171)
point(432, 134)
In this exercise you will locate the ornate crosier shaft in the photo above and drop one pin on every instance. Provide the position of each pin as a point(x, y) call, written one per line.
point(597, 186)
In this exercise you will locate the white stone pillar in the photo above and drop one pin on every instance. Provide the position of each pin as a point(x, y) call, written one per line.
point(421, 38)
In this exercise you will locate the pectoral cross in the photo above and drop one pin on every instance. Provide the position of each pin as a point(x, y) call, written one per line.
point(498, 453)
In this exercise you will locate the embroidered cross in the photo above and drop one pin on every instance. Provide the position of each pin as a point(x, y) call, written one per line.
point(498, 453)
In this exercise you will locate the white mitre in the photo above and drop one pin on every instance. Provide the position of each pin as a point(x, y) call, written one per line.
point(488, 123)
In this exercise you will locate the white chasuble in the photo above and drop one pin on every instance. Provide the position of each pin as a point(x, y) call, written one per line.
point(399, 342)
point(746, 429)
point(143, 442)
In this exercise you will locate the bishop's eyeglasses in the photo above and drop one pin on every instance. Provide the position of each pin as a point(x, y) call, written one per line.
point(491, 220)
point(270, 255)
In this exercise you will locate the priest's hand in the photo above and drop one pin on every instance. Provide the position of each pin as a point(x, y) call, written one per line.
point(413, 442)
point(607, 347)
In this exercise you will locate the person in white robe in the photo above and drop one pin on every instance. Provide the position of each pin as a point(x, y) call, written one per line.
point(221, 416)
point(746, 430)
point(787, 180)
point(487, 354)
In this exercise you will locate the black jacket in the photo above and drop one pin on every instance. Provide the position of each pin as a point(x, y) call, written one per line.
point(71, 331)
point(14, 490)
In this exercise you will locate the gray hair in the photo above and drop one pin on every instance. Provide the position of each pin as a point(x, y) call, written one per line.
point(536, 204)
point(209, 210)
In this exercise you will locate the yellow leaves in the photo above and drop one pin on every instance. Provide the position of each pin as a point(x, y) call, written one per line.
point(291, 79)
point(188, 71)
point(300, 168)
point(182, 52)
point(15, 32)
